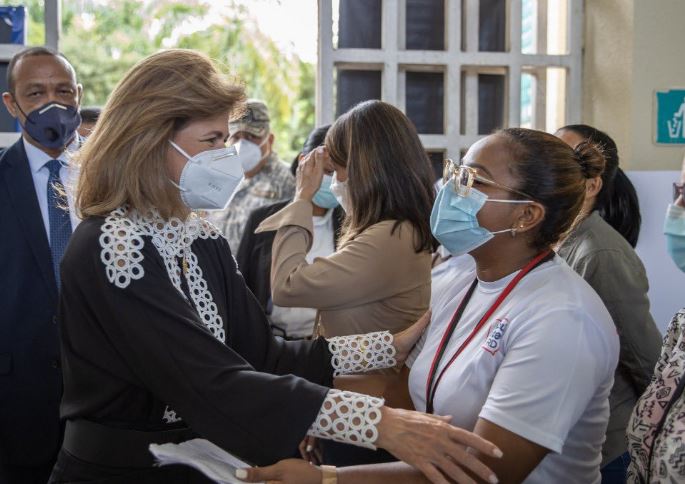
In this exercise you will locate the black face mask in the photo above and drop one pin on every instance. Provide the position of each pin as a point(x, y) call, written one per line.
point(52, 125)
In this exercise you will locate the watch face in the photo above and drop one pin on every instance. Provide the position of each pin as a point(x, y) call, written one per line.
point(329, 475)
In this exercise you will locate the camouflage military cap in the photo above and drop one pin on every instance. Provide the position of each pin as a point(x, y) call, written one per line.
point(254, 120)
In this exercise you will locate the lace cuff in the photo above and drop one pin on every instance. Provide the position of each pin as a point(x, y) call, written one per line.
point(348, 417)
point(362, 352)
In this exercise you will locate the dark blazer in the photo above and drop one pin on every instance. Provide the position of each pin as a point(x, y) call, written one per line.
point(254, 252)
point(30, 377)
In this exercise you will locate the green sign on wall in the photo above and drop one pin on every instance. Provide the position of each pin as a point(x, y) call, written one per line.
point(670, 117)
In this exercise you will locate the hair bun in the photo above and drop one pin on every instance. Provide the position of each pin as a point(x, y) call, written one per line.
point(590, 157)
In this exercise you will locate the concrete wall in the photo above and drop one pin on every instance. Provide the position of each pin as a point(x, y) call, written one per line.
point(632, 49)
point(658, 63)
point(608, 70)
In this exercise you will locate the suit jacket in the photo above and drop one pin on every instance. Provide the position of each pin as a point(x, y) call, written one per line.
point(30, 377)
point(254, 252)
point(373, 282)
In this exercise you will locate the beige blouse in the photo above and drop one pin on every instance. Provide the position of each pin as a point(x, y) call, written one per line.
point(374, 282)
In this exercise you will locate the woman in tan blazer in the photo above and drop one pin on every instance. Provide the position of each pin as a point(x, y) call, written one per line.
point(379, 278)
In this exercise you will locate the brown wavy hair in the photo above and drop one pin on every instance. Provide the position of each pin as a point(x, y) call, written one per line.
point(389, 173)
point(124, 160)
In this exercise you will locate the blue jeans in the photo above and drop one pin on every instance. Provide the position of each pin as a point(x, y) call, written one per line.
point(615, 471)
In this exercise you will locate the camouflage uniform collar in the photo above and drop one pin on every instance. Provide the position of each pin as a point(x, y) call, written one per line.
point(268, 167)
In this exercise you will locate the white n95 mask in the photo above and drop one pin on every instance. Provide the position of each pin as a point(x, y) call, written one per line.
point(250, 153)
point(210, 178)
point(341, 192)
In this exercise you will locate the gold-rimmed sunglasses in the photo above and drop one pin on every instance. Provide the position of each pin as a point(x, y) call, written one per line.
point(464, 176)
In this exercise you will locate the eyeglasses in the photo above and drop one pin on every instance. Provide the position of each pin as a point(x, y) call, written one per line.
point(678, 190)
point(464, 176)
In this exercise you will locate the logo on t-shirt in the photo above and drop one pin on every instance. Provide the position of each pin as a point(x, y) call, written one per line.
point(495, 335)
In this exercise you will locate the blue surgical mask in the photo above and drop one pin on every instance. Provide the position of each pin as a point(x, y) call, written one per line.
point(454, 223)
point(674, 229)
point(324, 198)
point(52, 125)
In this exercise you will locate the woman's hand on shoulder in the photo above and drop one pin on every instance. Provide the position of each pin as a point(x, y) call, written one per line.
point(405, 341)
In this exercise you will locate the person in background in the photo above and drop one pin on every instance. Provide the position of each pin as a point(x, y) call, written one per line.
point(267, 179)
point(254, 252)
point(607, 261)
point(89, 116)
point(520, 349)
point(379, 276)
point(36, 222)
point(616, 202)
point(674, 226)
point(656, 431)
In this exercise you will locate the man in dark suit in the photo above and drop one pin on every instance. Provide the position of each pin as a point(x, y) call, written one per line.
point(36, 220)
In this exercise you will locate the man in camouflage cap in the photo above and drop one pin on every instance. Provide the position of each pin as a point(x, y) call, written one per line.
point(268, 181)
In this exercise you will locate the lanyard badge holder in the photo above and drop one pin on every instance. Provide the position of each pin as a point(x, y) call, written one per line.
point(433, 382)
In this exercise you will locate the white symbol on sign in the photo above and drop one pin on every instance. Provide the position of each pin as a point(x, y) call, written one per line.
point(676, 126)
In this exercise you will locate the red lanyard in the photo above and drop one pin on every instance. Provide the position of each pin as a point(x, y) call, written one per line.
point(431, 386)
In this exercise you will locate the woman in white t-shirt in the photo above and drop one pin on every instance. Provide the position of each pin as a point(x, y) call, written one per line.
point(520, 349)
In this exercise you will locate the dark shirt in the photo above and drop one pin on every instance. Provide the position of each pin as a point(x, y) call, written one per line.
point(130, 354)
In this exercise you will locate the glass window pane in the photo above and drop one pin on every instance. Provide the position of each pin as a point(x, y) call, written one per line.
point(425, 101)
point(544, 27)
point(543, 98)
point(557, 27)
point(360, 24)
point(555, 103)
point(529, 26)
point(528, 100)
point(425, 26)
point(437, 159)
point(492, 26)
point(7, 122)
point(490, 102)
point(354, 87)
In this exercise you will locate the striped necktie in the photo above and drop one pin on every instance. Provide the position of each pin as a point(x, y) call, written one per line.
point(58, 216)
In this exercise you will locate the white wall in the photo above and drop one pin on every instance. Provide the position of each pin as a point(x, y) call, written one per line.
point(666, 281)
point(633, 48)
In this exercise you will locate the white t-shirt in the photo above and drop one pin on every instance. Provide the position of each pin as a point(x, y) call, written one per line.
point(443, 274)
point(299, 322)
point(541, 367)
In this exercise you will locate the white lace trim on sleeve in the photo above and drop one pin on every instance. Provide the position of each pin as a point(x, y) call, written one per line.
point(362, 352)
point(348, 417)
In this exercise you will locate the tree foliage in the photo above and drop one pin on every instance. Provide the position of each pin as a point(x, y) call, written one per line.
point(104, 39)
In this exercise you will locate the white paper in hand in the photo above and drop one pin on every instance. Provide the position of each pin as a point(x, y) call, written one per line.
point(213, 461)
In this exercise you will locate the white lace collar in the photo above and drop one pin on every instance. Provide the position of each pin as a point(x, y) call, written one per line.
point(122, 243)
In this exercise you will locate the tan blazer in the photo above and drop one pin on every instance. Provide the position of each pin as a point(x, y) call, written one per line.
point(374, 282)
